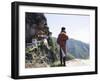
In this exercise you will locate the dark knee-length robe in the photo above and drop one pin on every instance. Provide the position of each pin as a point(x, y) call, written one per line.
point(61, 40)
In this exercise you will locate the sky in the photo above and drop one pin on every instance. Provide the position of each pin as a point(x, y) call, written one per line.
point(77, 26)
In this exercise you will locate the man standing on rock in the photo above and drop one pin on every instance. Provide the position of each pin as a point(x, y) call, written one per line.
point(61, 40)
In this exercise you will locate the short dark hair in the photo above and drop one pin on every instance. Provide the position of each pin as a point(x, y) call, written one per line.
point(63, 29)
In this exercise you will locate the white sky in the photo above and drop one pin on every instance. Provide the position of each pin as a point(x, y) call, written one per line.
point(77, 26)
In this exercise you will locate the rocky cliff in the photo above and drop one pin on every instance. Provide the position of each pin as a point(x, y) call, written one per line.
point(40, 51)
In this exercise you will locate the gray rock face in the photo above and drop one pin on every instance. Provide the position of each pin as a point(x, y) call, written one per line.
point(38, 53)
point(34, 23)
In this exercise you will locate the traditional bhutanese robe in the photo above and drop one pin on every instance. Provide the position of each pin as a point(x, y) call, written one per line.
point(61, 40)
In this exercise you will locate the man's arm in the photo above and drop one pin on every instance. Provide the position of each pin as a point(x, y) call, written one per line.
point(65, 36)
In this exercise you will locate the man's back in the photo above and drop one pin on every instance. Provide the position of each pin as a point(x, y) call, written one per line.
point(61, 40)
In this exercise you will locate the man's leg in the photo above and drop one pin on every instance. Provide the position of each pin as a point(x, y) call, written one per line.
point(64, 61)
point(61, 59)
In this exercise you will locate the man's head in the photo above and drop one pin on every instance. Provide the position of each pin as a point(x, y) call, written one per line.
point(63, 29)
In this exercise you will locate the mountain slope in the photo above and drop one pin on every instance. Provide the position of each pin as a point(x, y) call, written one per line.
point(77, 48)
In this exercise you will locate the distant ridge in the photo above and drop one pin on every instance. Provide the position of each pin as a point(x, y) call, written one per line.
point(77, 49)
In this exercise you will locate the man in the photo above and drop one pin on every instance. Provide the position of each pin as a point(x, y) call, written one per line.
point(61, 40)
